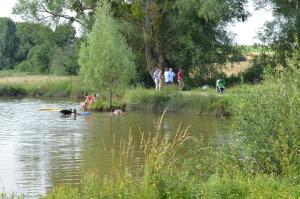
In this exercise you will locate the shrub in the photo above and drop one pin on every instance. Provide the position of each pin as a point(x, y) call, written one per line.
point(12, 91)
point(267, 119)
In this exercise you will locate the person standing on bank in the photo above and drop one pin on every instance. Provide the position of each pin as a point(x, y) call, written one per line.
point(160, 80)
point(156, 77)
point(171, 76)
point(166, 75)
point(220, 86)
point(180, 80)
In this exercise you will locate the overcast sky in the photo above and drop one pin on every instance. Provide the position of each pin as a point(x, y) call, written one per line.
point(245, 32)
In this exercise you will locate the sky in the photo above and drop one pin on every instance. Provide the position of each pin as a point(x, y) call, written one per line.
point(245, 31)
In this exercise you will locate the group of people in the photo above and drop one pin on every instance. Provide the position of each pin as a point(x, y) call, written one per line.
point(89, 100)
point(168, 78)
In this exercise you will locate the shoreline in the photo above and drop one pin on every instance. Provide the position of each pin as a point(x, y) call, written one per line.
point(198, 102)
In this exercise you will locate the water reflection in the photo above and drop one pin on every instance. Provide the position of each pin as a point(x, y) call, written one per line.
point(39, 150)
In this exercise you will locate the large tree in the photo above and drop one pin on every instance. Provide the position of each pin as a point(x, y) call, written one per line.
point(8, 43)
point(160, 32)
point(189, 33)
point(283, 32)
point(106, 60)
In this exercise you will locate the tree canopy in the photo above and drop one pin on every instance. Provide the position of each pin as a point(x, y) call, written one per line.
point(8, 43)
point(161, 33)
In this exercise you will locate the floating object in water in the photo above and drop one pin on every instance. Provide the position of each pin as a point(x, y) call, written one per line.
point(66, 111)
point(70, 111)
point(50, 109)
point(84, 113)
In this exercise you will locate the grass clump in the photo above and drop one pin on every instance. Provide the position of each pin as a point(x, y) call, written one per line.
point(103, 105)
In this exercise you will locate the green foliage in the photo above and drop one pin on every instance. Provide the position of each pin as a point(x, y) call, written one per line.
point(8, 43)
point(9, 91)
point(106, 60)
point(225, 188)
point(267, 119)
point(40, 50)
point(30, 35)
point(159, 27)
point(65, 61)
point(64, 35)
point(40, 57)
point(102, 105)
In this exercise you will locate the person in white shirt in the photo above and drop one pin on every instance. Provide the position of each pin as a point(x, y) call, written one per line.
point(166, 74)
point(171, 76)
point(156, 77)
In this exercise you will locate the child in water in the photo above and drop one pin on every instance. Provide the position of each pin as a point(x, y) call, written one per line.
point(118, 112)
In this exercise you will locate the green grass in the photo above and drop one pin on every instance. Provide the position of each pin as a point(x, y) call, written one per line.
point(197, 101)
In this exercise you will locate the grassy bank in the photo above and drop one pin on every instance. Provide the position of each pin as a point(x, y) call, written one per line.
point(198, 101)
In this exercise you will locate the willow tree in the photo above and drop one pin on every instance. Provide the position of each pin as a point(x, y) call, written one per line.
point(106, 60)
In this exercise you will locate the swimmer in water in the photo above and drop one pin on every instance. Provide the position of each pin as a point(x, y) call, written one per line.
point(118, 112)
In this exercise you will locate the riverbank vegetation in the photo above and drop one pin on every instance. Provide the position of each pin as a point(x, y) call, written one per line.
point(197, 101)
point(261, 161)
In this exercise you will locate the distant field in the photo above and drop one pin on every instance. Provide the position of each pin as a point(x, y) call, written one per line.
point(235, 68)
point(34, 79)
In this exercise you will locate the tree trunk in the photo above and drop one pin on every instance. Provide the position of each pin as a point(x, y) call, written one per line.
point(110, 99)
point(150, 58)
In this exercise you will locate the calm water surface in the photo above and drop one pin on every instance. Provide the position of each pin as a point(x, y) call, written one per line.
point(41, 149)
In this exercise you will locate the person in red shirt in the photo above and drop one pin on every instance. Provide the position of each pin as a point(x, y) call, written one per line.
point(90, 100)
point(180, 80)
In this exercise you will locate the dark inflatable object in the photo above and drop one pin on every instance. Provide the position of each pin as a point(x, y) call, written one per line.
point(66, 111)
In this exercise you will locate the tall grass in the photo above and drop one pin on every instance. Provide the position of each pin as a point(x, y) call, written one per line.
point(267, 119)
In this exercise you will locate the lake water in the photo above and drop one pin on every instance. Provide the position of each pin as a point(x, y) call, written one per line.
point(42, 149)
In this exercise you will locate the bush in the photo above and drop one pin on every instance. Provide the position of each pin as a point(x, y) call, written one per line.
point(12, 91)
point(267, 119)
